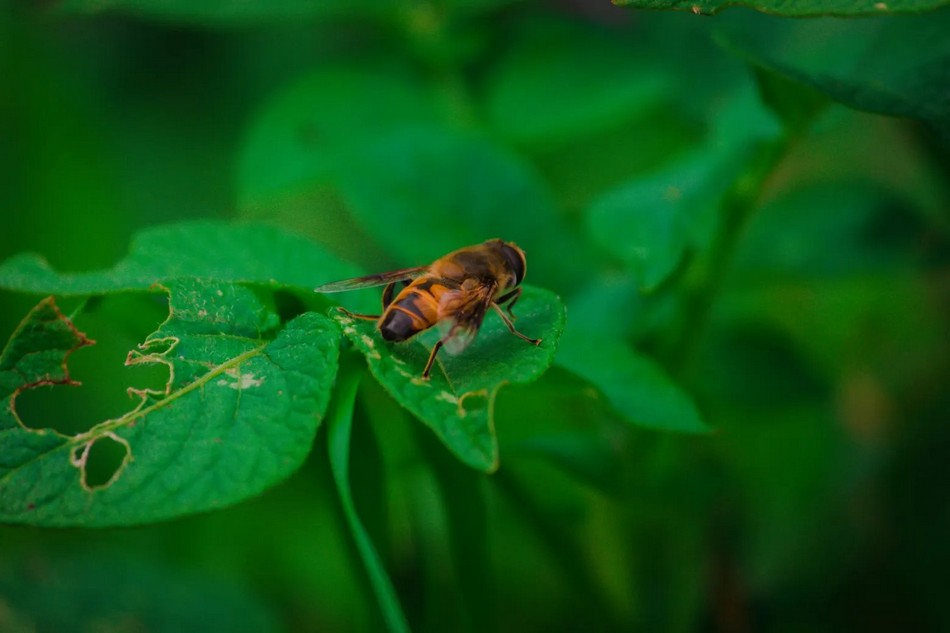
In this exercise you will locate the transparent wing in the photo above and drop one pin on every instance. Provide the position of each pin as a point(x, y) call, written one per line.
point(460, 335)
point(464, 311)
point(369, 281)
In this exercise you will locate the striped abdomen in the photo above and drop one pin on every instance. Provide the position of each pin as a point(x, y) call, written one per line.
point(413, 310)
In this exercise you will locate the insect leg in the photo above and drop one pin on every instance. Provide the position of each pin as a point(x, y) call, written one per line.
point(435, 350)
point(388, 294)
point(511, 326)
point(512, 298)
point(365, 317)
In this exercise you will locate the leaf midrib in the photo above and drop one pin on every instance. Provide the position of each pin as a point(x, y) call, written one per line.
point(110, 425)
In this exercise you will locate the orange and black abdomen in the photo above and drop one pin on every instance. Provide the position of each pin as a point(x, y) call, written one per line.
point(413, 310)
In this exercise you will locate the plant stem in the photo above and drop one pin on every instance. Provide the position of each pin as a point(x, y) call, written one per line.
point(564, 550)
point(340, 424)
point(736, 208)
point(430, 28)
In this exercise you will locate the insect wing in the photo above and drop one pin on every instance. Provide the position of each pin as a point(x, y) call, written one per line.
point(370, 281)
point(465, 310)
point(457, 335)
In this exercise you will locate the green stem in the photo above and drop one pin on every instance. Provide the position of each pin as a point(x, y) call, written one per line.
point(430, 27)
point(737, 207)
point(463, 498)
point(340, 425)
point(455, 96)
point(564, 550)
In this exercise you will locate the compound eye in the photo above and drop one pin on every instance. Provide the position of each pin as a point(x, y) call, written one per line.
point(516, 261)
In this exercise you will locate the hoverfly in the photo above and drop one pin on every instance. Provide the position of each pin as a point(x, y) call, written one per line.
point(454, 292)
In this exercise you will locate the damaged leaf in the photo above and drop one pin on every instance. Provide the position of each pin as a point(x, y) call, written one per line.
point(238, 413)
point(457, 403)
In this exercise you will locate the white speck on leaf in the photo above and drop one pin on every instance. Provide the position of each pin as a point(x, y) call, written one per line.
point(241, 381)
point(447, 397)
point(370, 346)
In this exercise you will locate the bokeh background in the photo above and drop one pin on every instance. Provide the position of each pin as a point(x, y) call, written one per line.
point(800, 297)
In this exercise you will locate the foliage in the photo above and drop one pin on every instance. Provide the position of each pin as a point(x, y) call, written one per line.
point(808, 7)
point(736, 237)
point(237, 414)
point(457, 402)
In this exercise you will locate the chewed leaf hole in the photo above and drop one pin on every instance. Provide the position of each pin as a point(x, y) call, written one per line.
point(288, 305)
point(103, 461)
point(43, 407)
point(147, 376)
point(71, 409)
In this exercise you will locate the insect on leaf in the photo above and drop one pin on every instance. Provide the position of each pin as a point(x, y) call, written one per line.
point(457, 402)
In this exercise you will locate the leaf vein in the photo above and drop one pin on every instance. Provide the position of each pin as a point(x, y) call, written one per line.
point(138, 413)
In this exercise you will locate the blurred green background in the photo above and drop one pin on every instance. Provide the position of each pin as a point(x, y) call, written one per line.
point(782, 257)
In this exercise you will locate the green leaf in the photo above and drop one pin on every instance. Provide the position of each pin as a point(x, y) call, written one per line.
point(340, 426)
point(528, 102)
point(61, 177)
point(227, 12)
point(795, 104)
point(764, 452)
point(113, 591)
point(752, 364)
point(585, 456)
point(647, 223)
point(604, 315)
point(798, 8)
point(297, 139)
point(897, 65)
point(638, 388)
point(433, 190)
point(463, 499)
point(613, 306)
point(240, 253)
point(651, 222)
point(830, 230)
point(567, 554)
point(457, 403)
point(238, 413)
